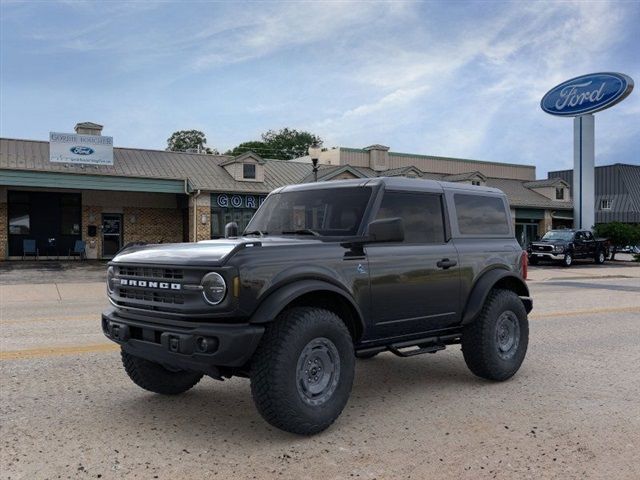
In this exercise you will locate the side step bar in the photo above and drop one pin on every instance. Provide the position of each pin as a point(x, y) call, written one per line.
point(418, 346)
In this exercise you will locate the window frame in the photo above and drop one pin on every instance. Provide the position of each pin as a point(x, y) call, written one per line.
point(453, 211)
point(560, 190)
point(244, 172)
point(443, 217)
point(608, 204)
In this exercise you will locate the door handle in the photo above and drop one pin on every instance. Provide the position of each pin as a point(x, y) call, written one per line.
point(446, 263)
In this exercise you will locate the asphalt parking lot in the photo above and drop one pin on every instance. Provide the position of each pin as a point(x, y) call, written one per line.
point(67, 409)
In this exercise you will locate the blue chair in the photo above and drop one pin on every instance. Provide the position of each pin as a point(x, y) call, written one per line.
point(29, 248)
point(79, 249)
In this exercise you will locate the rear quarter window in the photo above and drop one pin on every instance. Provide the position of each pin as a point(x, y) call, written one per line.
point(481, 215)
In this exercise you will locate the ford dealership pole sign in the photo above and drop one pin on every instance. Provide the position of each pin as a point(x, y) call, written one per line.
point(580, 97)
point(587, 94)
point(80, 149)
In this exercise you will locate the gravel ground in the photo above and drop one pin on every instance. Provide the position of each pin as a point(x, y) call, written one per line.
point(67, 409)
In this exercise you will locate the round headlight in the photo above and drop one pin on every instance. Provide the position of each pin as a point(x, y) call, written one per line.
point(111, 274)
point(214, 288)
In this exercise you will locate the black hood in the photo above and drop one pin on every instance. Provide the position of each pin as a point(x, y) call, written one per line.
point(205, 253)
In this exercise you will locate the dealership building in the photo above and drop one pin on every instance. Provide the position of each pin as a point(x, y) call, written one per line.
point(79, 188)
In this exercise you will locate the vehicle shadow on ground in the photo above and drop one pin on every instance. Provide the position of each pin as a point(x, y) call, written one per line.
point(225, 409)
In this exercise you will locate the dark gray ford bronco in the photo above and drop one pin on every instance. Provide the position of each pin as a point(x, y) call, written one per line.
point(326, 273)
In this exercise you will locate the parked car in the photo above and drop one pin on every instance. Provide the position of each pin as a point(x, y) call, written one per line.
point(326, 273)
point(565, 246)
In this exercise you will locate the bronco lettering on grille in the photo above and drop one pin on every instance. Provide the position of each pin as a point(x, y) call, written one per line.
point(144, 283)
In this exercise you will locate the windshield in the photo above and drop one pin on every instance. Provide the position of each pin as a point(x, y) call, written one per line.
point(333, 212)
point(558, 235)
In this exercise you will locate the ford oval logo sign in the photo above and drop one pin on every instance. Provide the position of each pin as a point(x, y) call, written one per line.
point(587, 94)
point(81, 150)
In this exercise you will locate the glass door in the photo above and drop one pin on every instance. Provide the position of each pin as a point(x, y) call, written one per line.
point(111, 234)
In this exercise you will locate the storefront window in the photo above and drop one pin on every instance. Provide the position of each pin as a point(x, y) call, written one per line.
point(19, 220)
point(70, 214)
point(227, 207)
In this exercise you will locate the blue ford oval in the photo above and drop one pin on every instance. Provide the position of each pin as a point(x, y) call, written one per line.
point(587, 94)
point(78, 150)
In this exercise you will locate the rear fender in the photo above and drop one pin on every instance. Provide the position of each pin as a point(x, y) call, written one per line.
point(496, 278)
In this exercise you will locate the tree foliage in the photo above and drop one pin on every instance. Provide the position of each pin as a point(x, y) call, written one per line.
point(283, 144)
point(619, 234)
point(184, 140)
point(255, 146)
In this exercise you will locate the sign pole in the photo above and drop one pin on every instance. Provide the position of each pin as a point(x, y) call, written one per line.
point(583, 171)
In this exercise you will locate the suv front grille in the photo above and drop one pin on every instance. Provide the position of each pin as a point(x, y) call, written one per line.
point(151, 272)
point(151, 296)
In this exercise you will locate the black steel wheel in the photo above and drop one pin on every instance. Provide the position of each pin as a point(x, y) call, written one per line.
point(494, 344)
point(302, 371)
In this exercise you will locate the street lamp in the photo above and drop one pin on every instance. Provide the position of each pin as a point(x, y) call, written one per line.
point(314, 153)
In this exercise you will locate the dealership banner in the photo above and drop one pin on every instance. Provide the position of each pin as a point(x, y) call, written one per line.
point(80, 149)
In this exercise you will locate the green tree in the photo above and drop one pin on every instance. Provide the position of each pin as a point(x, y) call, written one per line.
point(184, 140)
point(289, 143)
point(283, 144)
point(255, 146)
point(619, 234)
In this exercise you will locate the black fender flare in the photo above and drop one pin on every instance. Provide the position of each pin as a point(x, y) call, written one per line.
point(277, 300)
point(486, 283)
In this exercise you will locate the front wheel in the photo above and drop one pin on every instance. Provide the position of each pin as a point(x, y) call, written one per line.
point(567, 261)
point(495, 344)
point(302, 371)
point(156, 378)
point(600, 257)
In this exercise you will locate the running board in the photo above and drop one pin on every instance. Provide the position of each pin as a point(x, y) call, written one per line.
point(424, 345)
point(422, 348)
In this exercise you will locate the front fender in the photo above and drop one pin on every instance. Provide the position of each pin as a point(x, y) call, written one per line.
point(276, 301)
point(489, 280)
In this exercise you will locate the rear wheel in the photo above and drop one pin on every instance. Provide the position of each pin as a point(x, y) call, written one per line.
point(156, 378)
point(302, 371)
point(495, 344)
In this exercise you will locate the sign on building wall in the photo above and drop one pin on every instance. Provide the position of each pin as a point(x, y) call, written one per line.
point(80, 149)
point(237, 200)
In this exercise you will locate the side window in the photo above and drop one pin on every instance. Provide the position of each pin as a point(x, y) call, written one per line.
point(421, 215)
point(588, 236)
point(579, 236)
point(481, 215)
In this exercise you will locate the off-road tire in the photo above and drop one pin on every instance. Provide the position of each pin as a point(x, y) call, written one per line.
point(600, 257)
point(156, 378)
point(567, 261)
point(275, 384)
point(480, 339)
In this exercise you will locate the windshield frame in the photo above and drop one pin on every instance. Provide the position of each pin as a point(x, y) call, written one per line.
point(362, 226)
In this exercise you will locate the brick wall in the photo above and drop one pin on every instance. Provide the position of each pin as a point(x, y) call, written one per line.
point(4, 220)
point(203, 231)
point(91, 216)
point(154, 225)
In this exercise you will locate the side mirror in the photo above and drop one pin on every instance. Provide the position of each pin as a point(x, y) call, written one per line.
point(231, 230)
point(386, 230)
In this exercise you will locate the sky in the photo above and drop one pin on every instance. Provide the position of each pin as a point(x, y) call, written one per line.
point(451, 78)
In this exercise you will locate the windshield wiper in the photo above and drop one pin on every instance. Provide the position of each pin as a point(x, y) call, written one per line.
point(260, 233)
point(301, 231)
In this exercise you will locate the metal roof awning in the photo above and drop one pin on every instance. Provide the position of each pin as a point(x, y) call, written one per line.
point(24, 178)
point(563, 215)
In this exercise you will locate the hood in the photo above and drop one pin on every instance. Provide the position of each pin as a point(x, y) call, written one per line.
point(550, 242)
point(201, 254)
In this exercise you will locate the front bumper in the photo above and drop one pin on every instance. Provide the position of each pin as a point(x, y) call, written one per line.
point(547, 256)
point(200, 347)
